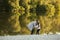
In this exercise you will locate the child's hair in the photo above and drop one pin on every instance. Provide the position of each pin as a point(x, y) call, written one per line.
point(37, 23)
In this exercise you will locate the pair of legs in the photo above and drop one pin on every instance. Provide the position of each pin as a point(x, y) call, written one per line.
point(34, 30)
point(37, 31)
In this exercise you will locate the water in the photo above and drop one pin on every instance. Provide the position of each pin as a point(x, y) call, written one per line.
point(31, 37)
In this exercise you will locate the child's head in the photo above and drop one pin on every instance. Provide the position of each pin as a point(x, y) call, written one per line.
point(37, 22)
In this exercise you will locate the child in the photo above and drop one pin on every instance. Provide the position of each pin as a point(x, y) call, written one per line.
point(38, 28)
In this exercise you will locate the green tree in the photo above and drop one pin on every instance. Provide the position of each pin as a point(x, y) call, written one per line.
point(9, 15)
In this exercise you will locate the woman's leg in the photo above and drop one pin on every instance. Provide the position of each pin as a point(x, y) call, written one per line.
point(32, 31)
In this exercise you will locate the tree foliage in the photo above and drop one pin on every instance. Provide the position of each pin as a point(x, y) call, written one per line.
point(16, 14)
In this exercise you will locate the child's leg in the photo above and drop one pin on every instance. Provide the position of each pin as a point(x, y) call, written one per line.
point(37, 31)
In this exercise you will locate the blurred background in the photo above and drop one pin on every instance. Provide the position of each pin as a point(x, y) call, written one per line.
point(16, 14)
